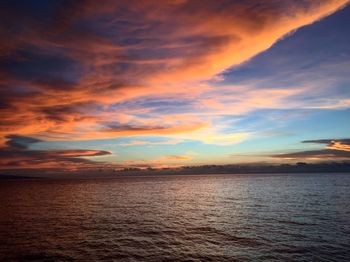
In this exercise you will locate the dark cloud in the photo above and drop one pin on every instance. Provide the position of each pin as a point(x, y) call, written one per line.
point(336, 144)
point(335, 149)
point(32, 64)
point(328, 141)
point(131, 130)
point(323, 154)
point(62, 113)
point(120, 128)
point(17, 155)
point(20, 142)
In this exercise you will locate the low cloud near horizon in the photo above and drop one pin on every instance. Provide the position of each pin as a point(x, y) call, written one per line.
point(338, 149)
point(17, 155)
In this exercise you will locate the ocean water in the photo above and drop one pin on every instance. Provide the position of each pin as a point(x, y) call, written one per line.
point(286, 217)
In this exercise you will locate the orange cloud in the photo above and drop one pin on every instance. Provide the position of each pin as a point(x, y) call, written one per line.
point(174, 158)
point(335, 150)
point(161, 162)
point(335, 144)
point(338, 145)
point(233, 34)
point(315, 155)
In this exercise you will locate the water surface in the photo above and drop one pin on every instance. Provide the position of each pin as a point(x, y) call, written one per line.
point(287, 217)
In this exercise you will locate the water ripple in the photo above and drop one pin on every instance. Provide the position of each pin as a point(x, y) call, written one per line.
point(177, 218)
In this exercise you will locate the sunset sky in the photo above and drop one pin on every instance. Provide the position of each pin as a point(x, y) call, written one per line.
point(90, 84)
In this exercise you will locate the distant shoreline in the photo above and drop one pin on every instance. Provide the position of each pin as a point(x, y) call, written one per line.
point(298, 168)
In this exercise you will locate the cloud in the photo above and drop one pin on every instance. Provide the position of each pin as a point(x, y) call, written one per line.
point(161, 162)
point(336, 149)
point(215, 136)
point(17, 155)
point(129, 130)
point(231, 33)
point(209, 134)
point(315, 155)
point(20, 142)
point(150, 143)
point(175, 158)
point(336, 144)
point(237, 100)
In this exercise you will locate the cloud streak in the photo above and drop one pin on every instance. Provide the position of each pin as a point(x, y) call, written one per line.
point(336, 149)
point(17, 155)
point(335, 144)
point(315, 155)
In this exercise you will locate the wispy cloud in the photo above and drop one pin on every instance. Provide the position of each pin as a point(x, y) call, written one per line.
point(150, 143)
point(160, 162)
point(315, 155)
point(174, 158)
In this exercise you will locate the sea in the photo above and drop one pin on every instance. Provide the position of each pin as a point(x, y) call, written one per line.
point(246, 217)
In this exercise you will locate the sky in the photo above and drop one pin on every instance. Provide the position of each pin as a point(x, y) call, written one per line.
point(94, 84)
